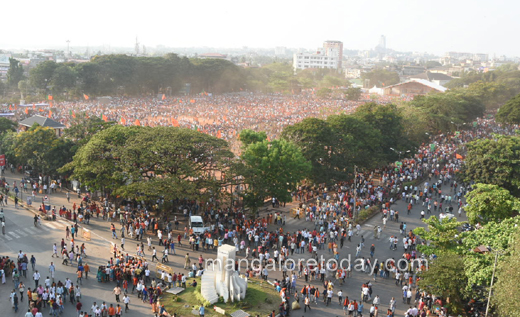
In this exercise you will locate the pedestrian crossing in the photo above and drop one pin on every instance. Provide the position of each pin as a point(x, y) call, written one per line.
point(46, 226)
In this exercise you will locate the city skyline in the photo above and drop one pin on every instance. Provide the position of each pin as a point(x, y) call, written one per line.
point(465, 26)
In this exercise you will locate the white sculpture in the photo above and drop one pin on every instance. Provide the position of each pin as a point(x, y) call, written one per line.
point(221, 279)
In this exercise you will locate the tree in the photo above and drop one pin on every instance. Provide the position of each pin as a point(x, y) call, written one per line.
point(82, 129)
point(323, 92)
point(272, 169)
point(446, 110)
point(380, 77)
point(7, 125)
point(444, 277)
point(98, 164)
point(494, 161)
point(507, 286)
point(248, 136)
point(40, 148)
point(63, 79)
point(135, 161)
point(357, 143)
point(315, 139)
point(40, 76)
point(478, 266)
point(388, 120)
point(490, 203)
point(15, 72)
point(510, 111)
point(353, 93)
point(441, 235)
point(492, 94)
point(432, 64)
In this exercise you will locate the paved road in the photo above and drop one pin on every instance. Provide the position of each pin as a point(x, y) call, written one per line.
point(21, 234)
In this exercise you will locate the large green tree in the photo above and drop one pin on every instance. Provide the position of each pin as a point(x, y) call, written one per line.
point(446, 111)
point(82, 128)
point(490, 203)
point(494, 161)
point(315, 139)
point(40, 148)
point(510, 111)
point(272, 169)
point(40, 77)
point(478, 266)
point(388, 120)
point(7, 125)
point(444, 277)
point(135, 161)
point(15, 72)
point(441, 235)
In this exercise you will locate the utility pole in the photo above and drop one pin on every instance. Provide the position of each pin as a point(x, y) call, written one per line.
point(492, 279)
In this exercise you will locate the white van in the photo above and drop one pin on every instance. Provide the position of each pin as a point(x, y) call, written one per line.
point(197, 225)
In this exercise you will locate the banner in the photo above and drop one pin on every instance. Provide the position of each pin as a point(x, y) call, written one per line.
point(2, 160)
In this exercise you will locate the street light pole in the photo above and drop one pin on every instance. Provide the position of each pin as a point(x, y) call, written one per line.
point(492, 279)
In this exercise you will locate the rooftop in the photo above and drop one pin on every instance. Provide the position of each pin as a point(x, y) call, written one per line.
point(43, 121)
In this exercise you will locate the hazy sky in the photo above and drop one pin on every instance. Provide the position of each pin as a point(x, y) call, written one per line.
point(410, 25)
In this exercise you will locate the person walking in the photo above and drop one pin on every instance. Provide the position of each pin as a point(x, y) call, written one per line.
point(36, 277)
point(117, 292)
point(307, 302)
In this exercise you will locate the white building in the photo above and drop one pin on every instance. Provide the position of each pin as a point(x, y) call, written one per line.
point(329, 56)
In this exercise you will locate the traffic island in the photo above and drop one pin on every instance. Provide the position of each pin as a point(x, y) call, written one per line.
point(261, 299)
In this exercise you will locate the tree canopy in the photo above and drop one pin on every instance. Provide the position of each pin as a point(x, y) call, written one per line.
point(510, 111)
point(494, 161)
point(272, 169)
point(161, 161)
point(490, 203)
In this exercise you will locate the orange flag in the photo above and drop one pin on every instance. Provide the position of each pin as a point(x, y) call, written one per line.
point(26, 110)
point(50, 113)
point(219, 135)
point(85, 96)
point(192, 100)
point(49, 97)
point(123, 121)
point(458, 156)
point(163, 97)
point(104, 118)
point(34, 106)
point(74, 115)
point(137, 122)
point(40, 109)
point(10, 108)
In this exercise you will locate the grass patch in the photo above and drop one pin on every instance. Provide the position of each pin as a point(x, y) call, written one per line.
point(261, 298)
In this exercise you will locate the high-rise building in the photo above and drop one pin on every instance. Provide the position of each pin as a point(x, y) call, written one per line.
point(330, 56)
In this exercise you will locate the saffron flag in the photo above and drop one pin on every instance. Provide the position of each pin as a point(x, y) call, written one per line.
point(10, 108)
point(49, 97)
point(104, 118)
point(163, 97)
point(137, 122)
point(50, 113)
point(458, 156)
point(85, 96)
point(74, 115)
point(26, 110)
point(34, 106)
point(123, 121)
point(219, 135)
